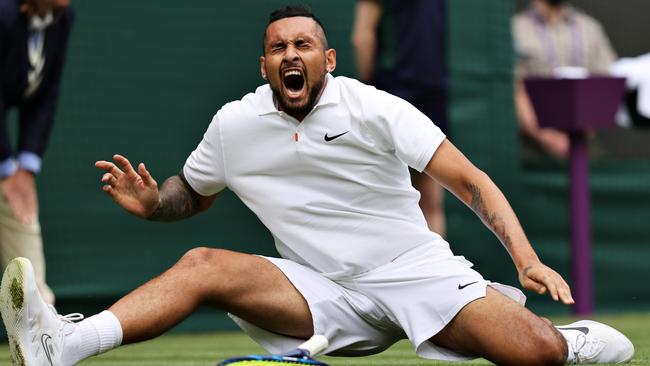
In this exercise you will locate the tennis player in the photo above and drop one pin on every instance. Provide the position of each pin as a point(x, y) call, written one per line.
point(323, 162)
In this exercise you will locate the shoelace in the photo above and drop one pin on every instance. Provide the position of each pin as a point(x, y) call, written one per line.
point(587, 347)
point(68, 319)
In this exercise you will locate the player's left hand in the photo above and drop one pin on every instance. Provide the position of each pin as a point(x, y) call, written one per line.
point(135, 191)
point(19, 191)
point(542, 279)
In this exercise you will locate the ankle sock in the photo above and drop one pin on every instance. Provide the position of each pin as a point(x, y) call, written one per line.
point(92, 336)
point(569, 334)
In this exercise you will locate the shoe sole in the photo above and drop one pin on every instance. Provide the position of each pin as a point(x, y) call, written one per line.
point(12, 304)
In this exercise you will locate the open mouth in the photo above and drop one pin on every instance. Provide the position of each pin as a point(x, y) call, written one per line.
point(293, 80)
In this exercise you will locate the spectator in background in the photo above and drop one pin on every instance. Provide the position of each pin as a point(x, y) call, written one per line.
point(33, 39)
point(547, 36)
point(401, 47)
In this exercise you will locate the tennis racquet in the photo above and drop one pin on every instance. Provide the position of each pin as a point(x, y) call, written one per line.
point(301, 356)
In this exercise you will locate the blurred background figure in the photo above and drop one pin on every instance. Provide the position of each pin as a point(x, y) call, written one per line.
point(401, 47)
point(553, 38)
point(33, 39)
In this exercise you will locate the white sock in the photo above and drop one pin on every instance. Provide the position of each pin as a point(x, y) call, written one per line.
point(92, 336)
point(570, 336)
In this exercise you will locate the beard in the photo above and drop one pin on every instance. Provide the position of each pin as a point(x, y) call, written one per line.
point(299, 111)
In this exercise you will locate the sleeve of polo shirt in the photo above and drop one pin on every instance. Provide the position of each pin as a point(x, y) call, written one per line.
point(412, 136)
point(204, 168)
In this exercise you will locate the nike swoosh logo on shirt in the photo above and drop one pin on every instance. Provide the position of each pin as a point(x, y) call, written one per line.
point(330, 138)
point(460, 287)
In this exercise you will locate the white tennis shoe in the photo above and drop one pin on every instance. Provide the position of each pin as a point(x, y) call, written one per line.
point(593, 342)
point(36, 332)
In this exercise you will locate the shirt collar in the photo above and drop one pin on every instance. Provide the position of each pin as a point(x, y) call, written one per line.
point(569, 15)
point(330, 95)
point(38, 23)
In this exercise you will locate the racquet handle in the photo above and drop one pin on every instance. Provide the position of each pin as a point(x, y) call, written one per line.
point(317, 343)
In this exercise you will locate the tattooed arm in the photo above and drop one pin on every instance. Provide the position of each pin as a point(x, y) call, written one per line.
point(137, 192)
point(472, 186)
point(178, 200)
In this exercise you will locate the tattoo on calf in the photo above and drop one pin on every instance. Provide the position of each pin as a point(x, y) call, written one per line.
point(493, 220)
point(177, 201)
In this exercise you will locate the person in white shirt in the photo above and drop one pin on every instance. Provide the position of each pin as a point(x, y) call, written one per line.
point(323, 162)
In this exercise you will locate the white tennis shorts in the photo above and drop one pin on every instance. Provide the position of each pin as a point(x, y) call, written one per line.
point(413, 297)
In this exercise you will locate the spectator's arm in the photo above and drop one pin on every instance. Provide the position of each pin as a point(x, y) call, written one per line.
point(37, 115)
point(36, 120)
point(553, 141)
point(364, 36)
point(6, 165)
point(524, 110)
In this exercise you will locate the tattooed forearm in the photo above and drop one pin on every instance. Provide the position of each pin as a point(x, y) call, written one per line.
point(177, 201)
point(491, 219)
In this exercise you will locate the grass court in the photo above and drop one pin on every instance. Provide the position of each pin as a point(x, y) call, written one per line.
point(203, 349)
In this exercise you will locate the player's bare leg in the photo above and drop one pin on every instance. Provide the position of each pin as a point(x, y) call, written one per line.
point(504, 332)
point(245, 285)
point(248, 286)
point(431, 202)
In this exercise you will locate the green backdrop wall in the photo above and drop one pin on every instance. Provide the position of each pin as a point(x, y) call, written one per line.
point(145, 80)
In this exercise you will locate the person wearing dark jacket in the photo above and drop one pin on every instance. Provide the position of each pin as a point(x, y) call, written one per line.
point(33, 40)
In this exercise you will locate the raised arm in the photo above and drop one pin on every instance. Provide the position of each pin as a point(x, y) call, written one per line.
point(472, 186)
point(137, 192)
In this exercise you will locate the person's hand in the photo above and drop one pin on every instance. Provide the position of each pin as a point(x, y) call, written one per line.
point(541, 279)
point(554, 142)
point(136, 192)
point(19, 191)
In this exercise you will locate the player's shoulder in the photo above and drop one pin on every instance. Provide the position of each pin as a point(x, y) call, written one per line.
point(350, 83)
point(354, 90)
point(250, 105)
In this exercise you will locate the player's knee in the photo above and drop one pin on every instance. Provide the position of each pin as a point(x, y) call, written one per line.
point(200, 257)
point(547, 321)
point(550, 347)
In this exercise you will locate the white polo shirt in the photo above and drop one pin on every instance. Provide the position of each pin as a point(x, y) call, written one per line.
point(334, 189)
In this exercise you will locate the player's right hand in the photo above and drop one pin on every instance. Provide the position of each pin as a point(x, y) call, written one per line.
point(135, 191)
